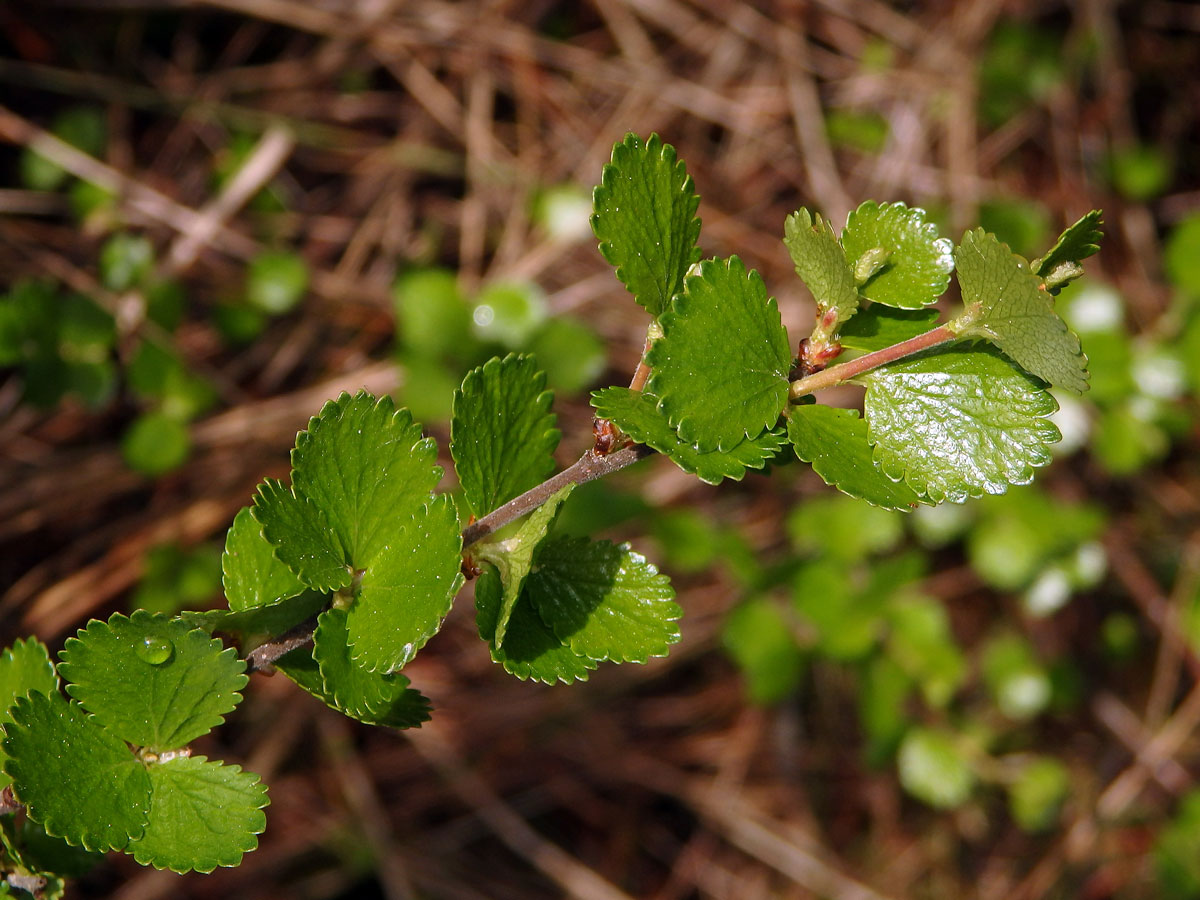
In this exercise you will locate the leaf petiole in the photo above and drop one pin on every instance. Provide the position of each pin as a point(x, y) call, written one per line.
point(847, 371)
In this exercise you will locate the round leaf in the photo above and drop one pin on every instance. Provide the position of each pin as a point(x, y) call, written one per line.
point(77, 780)
point(919, 263)
point(152, 680)
point(202, 815)
point(721, 367)
point(959, 423)
point(408, 589)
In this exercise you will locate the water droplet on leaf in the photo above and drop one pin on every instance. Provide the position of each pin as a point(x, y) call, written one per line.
point(154, 650)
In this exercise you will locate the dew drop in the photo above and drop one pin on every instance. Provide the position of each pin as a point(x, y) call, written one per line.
point(154, 650)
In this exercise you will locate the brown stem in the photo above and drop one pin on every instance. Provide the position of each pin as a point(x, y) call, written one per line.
point(587, 468)
point(845, 371)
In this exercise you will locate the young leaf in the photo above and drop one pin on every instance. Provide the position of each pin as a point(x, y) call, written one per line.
point(513, 558)
point(253, 574)
point(502, 434)
point(1006, 304)
point(76, 779)
point(721, 366)
point(1061, 264)
point(531, 650)
point(835, 442)
point(300, 533)
point(644, 214)
point(408, 589)
point(349, 688)
point(880, 326)
point(821, 263)
point(603, 600)
point(366, 465)
point(202, 815)
point(637, 414)
point(25, 667)
point(152, 680)
point(918, 263)
point(958, 423)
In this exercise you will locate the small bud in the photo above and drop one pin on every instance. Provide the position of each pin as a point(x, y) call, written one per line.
point(869, 264)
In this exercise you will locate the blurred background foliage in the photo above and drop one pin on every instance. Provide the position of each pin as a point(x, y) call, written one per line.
point(215, 215)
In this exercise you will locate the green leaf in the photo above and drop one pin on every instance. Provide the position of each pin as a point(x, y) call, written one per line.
point(276, 282)
point(300, 533)
point(513, 558)
point(408, 589)
point(603, 600)
point(531, 651)
point(502, 434)
point(958, 423)
point(919, 263)
point(1061, 264)
point(1006, 304)
point(366, 465)
point(721, 367)
point(835, 442)
point(202, 815)
point(329, 674)
point(253, 626)
point(253, 575)
point(1036, 796)
point(821, 264)
point(880, 326)
point(758, 636)
point(644, 214)
point(432, 317)
point(156, 443)
point(77, 780)
point(509, 313)
point(24, 667)
point(934, 769)
point(637, 414)
point(152, 680)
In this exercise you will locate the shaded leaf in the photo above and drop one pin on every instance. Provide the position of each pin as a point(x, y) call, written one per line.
point(502, 434)
point(918, 263)
point(513, 558)
point(531, 651)
point(151, 680)
point(880, 326)
point(604, 600)
point(253, 626)
point(637, 414)
point(1006, 304)
point(835, 442)
point(958, 423)
point(720, 370)
point(644, 214)
point(328, 673)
